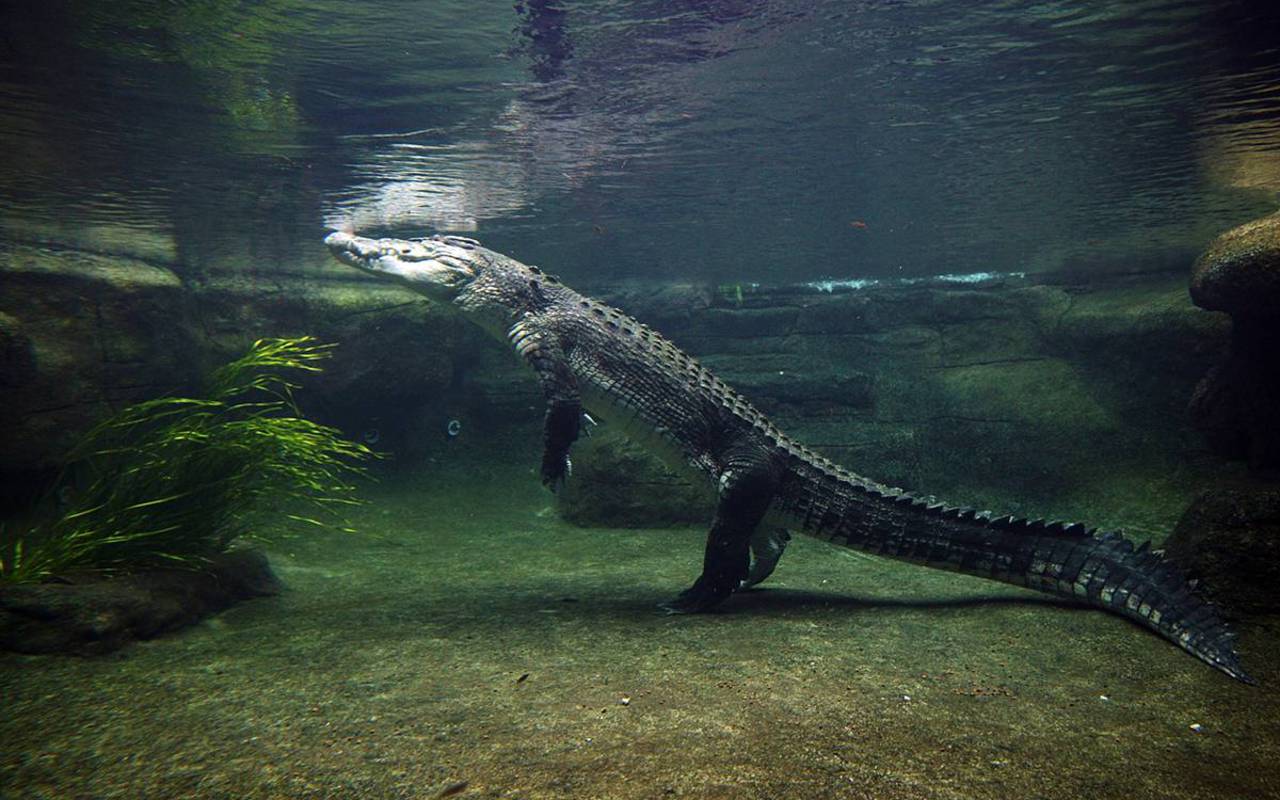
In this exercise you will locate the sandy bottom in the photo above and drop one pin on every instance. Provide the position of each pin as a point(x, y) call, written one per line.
point(481, 641)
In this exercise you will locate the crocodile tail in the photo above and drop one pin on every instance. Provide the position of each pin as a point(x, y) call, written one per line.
point(1100, 569)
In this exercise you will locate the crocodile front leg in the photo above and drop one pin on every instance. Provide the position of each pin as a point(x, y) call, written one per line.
point(541, 349)
point(744, 497)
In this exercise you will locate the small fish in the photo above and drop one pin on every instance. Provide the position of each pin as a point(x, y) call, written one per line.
point(523, 678)
point(859, 224)
point(599, 230)
point(457, 787)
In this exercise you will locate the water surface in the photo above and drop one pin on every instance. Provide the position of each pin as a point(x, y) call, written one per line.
point(747, 140)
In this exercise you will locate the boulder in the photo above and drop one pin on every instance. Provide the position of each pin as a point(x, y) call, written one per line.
point(96, 614)
point(1237, 403)
point(1239, 272)
point(1231, 539)
point(618, 484)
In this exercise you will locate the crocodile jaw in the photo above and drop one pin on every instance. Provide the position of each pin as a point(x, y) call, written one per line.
point(437, 268)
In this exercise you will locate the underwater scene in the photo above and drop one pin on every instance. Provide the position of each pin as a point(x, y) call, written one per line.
point(712, 399)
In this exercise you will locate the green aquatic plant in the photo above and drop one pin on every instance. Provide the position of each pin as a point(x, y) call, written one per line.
point(174, 480)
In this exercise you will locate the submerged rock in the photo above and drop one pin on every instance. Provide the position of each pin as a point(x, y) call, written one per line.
point(1239, 272)
point(1231, 539)
point(1236, 404)
point(617, 483)
point(99, 614)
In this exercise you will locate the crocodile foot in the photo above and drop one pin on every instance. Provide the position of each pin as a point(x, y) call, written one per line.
point(703, 595)
point(556, 470)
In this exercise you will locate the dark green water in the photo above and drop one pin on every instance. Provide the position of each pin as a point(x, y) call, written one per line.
point(171, 169)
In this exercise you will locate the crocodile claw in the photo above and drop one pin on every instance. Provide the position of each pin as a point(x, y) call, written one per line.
point(701, 596)
point(678, 606)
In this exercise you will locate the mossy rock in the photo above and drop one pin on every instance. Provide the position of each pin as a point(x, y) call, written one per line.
point(1239, 272)
point(1230, 538)
point(616, 483)
point(95, 613)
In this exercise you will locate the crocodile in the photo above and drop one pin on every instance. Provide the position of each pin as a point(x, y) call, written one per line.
point(591, 357)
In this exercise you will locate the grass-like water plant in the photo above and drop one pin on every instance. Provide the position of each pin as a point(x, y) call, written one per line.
point(174, 480)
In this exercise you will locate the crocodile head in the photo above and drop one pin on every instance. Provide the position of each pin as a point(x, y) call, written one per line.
point(488, 288)
point(440, 267)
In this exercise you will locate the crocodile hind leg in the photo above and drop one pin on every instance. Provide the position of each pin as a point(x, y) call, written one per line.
point(744, 498)
point(767, 545)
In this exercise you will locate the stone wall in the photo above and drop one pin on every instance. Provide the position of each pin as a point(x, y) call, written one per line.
point(1045, 397)
point(1051, 397)
point(83, 333)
